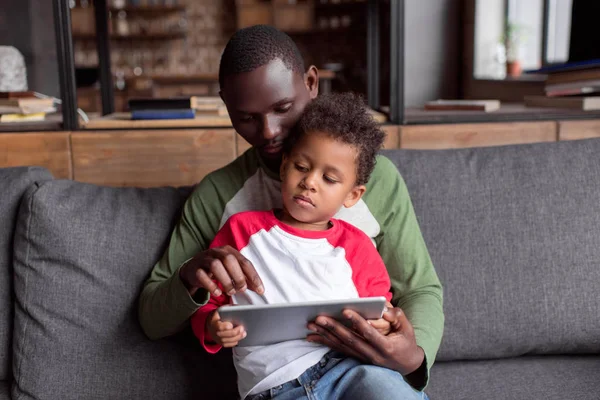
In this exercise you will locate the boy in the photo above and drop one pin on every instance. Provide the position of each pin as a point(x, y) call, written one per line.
point(302, 253)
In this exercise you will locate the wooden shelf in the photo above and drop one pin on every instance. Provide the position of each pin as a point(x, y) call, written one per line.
point(149, 10)
point(137, 36)
point(508, 112)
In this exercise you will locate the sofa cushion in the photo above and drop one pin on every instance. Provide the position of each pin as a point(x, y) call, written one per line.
point(82, 253)
point(4, 390)
point(514, 234)
point(13, 183)
point(541, 377)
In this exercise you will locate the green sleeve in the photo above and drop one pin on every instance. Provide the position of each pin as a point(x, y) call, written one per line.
point(415, 285)
point(165, 305)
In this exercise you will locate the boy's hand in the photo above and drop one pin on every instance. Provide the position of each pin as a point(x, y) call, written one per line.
point(224, 333)
point(384, 324)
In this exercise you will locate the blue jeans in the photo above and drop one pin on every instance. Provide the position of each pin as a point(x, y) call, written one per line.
point(339, 377)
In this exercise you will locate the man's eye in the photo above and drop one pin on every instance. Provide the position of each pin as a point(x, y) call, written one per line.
point(283, 109)
point(246, 118)
point(301, 168)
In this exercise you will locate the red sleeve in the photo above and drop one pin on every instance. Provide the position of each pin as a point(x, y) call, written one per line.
point(198, 321)
point(369, 273)
point(225, 235)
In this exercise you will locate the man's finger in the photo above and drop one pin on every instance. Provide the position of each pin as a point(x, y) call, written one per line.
point(373, 339)
point(400, 322)
point(204, 281)
point(222, 276)
point(349, 338)
point(252, 278)
point(234, 269)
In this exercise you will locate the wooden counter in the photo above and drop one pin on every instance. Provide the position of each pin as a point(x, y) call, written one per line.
point(183, 156)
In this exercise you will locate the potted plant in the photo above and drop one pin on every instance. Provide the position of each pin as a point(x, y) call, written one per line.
point(513, 38)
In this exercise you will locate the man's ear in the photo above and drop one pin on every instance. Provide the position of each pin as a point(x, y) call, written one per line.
point(355, 195)
point(311, 80)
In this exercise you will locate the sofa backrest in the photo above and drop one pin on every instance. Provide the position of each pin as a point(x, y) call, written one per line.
point(514, 233)
point(13, 184)
point(82, 253)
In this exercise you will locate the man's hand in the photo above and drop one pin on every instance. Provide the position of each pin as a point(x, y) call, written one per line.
point(223, 333)
point(224, 264)
point(398, 350)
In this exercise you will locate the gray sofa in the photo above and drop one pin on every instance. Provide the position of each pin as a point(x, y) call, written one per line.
point(514, 233)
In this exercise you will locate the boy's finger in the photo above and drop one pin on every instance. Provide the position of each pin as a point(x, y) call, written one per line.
point(224, 326)
point(230, 333)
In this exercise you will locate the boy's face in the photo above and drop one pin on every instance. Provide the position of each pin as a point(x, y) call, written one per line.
point(318, 178)
point(265, 103)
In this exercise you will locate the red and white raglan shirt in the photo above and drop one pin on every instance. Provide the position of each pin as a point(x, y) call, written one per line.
point(295, 266)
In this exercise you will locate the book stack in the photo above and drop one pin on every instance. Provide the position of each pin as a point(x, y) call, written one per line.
point(175, 108)
point(570, 85)
point(24, 107)
point(463, 105)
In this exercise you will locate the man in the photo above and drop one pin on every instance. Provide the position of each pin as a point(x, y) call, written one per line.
point(265, 87)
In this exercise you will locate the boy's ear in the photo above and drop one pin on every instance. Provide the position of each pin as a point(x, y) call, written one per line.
point(354, 196)
point(283, 167)
point(311, 80)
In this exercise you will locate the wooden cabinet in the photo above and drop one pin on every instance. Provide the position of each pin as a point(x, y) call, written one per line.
point(573, 130)
point(51, 150)
point(150, 158)
point(476, 135)
point(177, 157)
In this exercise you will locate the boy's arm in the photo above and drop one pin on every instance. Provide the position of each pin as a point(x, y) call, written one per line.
point(415, 284)
point(198, 322)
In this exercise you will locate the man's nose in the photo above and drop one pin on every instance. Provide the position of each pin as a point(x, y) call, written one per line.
point(271, 127)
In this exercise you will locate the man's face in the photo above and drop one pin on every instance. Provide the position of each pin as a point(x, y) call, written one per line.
point(265, 103)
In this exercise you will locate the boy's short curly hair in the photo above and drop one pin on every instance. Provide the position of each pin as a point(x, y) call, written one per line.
point(344, 117)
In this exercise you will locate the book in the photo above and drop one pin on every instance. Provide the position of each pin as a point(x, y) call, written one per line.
point(29, 110)
point(22, 117)
point(574, 103)
point(463, 105)
point(566, 67)
point(16, 95)
point(174, 103)
point(163, 114)
point(573, 88)
point(27, 105)
point(573, 76)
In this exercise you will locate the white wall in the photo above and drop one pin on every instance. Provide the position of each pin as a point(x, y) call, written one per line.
point(432, 42)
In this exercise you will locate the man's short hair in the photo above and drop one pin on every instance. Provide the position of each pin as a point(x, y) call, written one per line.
point(344, 117)
point(255, 46)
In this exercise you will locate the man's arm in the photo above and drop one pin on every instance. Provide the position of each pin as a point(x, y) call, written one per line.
point(415, 284)
point(417, 321)
point(165, 302)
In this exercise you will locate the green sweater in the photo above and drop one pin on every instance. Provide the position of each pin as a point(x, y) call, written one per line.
point(385, 214)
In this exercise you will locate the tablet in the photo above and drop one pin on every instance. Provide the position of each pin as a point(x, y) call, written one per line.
point(273, 323)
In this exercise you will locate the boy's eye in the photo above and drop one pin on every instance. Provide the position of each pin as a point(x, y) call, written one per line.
point(301, 168)
point(329, 179)
point(246, 118)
